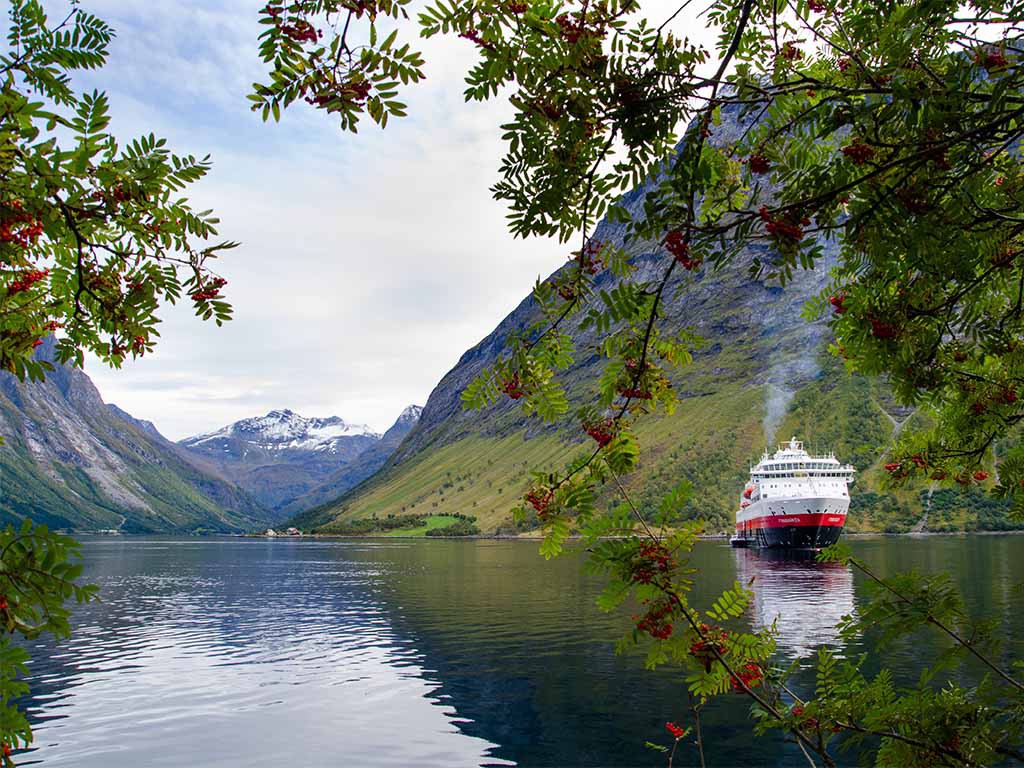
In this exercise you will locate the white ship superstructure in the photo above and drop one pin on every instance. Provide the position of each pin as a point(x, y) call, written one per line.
point(794, 499)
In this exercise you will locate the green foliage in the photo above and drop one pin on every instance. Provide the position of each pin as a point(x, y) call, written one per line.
point(340, 76)
point(93, 235)
point(463, 527)
point(38, 574)
point(889, 129)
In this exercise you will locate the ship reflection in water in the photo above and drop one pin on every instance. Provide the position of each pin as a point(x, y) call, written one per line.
point(807, 598)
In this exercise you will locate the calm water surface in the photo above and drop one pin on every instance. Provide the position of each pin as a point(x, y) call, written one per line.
point(230, 652)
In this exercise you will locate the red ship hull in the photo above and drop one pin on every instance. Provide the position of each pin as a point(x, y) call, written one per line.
point(806, 531)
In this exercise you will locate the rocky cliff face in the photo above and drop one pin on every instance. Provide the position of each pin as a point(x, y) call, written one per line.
point(289, 462)
point(72, 461)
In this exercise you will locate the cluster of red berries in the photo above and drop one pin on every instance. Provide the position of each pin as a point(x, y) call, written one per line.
point(837, 302)
point(651, 561)
point(573, 27)
point(992, 60)
point(357, 90)
point(3, 602)
point(271, 11)
point(758, 163)
point(883, 330)
point(893, 467)
point(817, 6)
point(675, 730)
point(809, 722)
point(7, 750)
point(858, 153)
point(37, 343)
point(706, 650)
point(365, 6)
point(567, 291)
point(979, 476)
point(786, 229)
point(676, 244)
point(635, 393)
point(540, 499)
point(53, 325)
point(790, 52)
point(749, 676)
point(139, 345)
point(656, 621)
point(210, 291)
point(517, 7)
point(117, 193)
point(300, 30)
point(473, 34)
point(592, 257)
point(548, 109)
point(19, 227)
point(602, 431)
point(27, 279)
point(919, 461)
point(513, 387)
point(844, 64)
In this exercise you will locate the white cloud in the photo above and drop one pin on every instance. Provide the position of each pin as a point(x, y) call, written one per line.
point(369, 263)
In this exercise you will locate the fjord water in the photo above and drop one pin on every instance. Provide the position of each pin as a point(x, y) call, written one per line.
point(236, 652)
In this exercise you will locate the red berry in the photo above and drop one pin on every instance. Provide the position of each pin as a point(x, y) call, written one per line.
point(858, 153)
point(759, 163)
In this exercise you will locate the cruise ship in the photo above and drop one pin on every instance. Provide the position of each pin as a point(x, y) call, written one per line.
point(794, 500)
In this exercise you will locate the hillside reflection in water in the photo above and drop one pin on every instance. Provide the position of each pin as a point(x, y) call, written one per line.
point(228, 652)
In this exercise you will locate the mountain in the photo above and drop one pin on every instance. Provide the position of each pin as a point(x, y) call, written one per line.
point(762, 370)
point(71, 461)
point(289, 462)
point(354, 472)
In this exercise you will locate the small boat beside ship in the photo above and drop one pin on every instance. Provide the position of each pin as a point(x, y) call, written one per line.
point(794, 500)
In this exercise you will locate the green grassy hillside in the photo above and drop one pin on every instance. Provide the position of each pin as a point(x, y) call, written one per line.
point(710, 440)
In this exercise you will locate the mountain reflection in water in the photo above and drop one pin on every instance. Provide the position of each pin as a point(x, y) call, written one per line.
point(805, 598)
point(225, 653)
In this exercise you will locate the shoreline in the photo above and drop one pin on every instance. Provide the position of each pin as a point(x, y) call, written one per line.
point(528, 537)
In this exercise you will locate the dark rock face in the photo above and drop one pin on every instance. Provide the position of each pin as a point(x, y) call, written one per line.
point(290, 462)
point(72, 461)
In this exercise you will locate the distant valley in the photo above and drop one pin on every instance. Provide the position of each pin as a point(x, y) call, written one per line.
point(73, 462)
point(289, 462)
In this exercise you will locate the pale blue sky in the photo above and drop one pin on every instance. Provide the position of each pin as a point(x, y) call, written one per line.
point(369, 263)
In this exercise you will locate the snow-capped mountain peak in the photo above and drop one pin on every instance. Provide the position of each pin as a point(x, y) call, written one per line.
point(285, 429)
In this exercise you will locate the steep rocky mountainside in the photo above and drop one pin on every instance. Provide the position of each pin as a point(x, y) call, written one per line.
point(290, 462)
point(72, 461)
point(762, 369)
point(353, 472)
